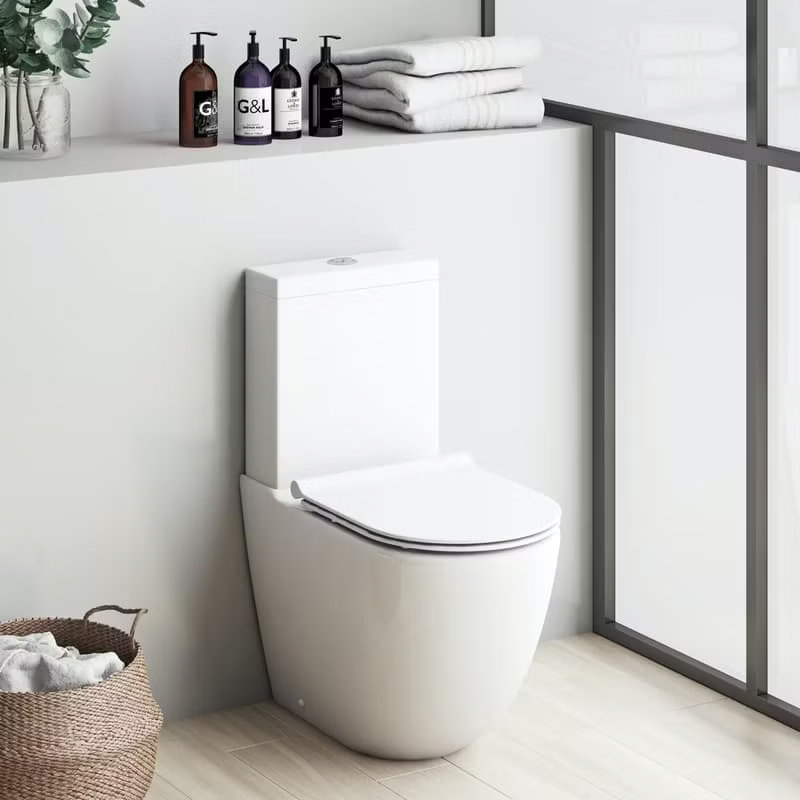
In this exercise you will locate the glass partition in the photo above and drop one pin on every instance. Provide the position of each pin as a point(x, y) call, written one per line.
point(682, 62)
point(681, 461)
point(784, 461)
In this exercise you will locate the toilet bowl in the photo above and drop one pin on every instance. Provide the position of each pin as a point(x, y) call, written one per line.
point(400, 593)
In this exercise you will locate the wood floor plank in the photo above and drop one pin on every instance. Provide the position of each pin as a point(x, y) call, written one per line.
point(520, 773)
point(446, 782)
point(564, 741)
point(725, 747)
point(592, 722)
point(376, 768)
point(601, 653)
point(234, 729)
point(622, 692)
point(202, 772)
point(310, 771)
point(161, 790)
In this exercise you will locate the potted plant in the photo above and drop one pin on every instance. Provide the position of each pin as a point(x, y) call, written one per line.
point(38, 43)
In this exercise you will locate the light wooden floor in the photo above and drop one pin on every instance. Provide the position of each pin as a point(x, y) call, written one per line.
point(594, 721)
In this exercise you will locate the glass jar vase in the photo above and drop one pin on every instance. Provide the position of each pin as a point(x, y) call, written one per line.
point(34, 116)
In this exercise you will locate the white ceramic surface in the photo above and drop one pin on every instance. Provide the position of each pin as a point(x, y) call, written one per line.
point(393, 653)
point(342, 365)
point(441, 503)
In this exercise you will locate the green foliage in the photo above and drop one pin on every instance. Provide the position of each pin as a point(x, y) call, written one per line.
point(32, 41)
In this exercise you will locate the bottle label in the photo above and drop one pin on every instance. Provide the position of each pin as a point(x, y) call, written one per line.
point(252, 112)
point(205, 114)
point(330, 108)
point(288, 110)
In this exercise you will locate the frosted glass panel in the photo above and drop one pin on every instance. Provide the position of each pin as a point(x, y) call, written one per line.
point(681, 400)
point(676, 61)
point(784, 73)
point(784, 463)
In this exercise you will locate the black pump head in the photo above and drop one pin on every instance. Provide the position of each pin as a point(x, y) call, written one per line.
point(252, 47)
point(284, 54)
point(198, 51)
point(325, 50)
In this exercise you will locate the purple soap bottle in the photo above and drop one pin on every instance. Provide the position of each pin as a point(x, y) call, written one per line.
point(252, 99)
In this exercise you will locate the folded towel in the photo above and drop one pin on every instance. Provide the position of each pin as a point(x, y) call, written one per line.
point(435, 56)
point(36, 663)
point(520, 109)
point(408, 94)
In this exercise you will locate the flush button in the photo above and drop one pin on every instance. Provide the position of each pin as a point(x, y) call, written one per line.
point(342, 261)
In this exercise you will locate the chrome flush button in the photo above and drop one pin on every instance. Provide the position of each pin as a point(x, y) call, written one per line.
point(342, 261)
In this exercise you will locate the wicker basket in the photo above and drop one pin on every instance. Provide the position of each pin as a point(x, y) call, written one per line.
point(94, 743)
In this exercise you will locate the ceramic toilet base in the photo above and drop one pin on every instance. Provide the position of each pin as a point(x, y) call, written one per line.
point(393, 653)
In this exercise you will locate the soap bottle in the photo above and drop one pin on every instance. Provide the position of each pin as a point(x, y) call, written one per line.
point(287, 97)
point(252, 99)
point(197, 98)
point(325, 95)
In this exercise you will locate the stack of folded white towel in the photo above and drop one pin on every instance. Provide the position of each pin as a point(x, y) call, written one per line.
point(442, 84)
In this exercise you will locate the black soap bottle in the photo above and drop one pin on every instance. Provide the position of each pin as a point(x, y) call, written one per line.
point(197, 100)
point(287, 97)
point(325, 95)
point(252, 99)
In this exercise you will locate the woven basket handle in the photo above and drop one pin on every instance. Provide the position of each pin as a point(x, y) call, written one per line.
point(137, 611)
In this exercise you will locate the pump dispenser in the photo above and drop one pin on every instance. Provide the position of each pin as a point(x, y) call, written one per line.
point(197, 99)
point(287, 96)
point(252, 99)
point(325, 94)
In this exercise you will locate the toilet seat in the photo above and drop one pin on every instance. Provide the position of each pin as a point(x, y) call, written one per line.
point(445, 504)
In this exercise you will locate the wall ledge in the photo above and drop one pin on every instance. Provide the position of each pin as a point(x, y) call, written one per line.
point(95, 155)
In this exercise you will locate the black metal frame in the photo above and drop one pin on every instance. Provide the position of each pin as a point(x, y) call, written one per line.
point(759, 155)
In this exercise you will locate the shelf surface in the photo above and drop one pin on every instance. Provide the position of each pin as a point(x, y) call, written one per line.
point(106, 154)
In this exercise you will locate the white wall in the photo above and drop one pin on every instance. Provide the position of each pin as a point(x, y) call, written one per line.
point(134, 82)
point(121, 405)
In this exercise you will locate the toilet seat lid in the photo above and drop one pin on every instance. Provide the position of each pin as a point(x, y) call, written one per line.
point(446, 503)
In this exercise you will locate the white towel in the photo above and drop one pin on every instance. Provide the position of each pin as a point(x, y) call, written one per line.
point(36, 663)
point(408, 94)
point(436, 56)
point(520, 109)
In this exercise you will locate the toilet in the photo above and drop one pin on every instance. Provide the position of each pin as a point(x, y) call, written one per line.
point(400, 592)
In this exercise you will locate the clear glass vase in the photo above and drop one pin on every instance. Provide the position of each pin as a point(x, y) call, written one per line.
point(34, 116)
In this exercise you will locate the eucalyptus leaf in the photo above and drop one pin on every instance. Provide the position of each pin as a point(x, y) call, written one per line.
point(48, 34)
point(33, 41)
point(61, 17)
point(66, 60)
point(70, 40)
point(34, 62)
point(110, 15)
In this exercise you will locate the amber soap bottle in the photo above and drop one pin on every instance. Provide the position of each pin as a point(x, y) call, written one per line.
point(197, 97)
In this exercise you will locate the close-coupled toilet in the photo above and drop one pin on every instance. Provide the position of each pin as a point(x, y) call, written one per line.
point(400, 593)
